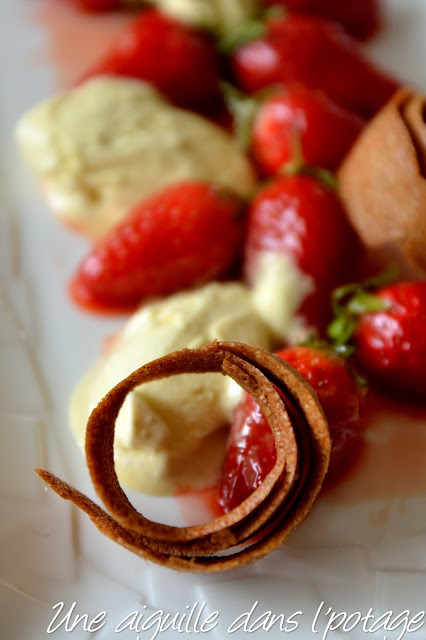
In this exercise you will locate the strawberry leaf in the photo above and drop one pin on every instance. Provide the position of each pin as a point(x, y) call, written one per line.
point(353, 300)
point(251, 30)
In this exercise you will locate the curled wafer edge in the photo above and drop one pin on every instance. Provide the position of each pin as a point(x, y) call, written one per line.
point(382, 183)
point(262, 521)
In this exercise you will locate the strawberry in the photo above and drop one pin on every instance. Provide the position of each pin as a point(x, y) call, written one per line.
point(326, 130)
point(301, 218)
point(97, 6)
point(388, 330)
point(180, 61)
point(93, 6)
point(314, 52)
point(185, 235)
point(250, 454)
point(251, 451)
point(360, 18)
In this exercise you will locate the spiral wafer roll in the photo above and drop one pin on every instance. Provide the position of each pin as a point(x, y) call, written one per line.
point(260, 523)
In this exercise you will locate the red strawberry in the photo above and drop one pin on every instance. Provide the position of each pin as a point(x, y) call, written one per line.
point(326, 131)
point(250, 454)
point(360, 18)
point(391, 342)
point(316, 53)
point(301, 218)
point(97, 5)
point(251, 451)
point(181, 237)
point(180, 61)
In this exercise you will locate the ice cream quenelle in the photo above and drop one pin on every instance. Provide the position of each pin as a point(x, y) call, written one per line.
point(221, 16)
point(170, 434)
point(104, 146)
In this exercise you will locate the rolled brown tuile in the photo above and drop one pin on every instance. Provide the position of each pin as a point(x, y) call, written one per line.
point(260, 523)
point(382, 183)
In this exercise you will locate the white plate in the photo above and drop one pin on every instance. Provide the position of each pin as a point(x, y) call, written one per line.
point(352, 557)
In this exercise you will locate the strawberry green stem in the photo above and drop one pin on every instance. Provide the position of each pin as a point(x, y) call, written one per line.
point(250, 30)
point(297, 166)
point(352, 301)
point(323, 176)
point(316, 343)
point(243, 109)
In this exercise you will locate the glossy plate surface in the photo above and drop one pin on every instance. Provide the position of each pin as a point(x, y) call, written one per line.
point(362, 548)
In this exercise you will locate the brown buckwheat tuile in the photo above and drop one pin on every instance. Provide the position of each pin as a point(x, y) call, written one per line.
point(260, 523)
